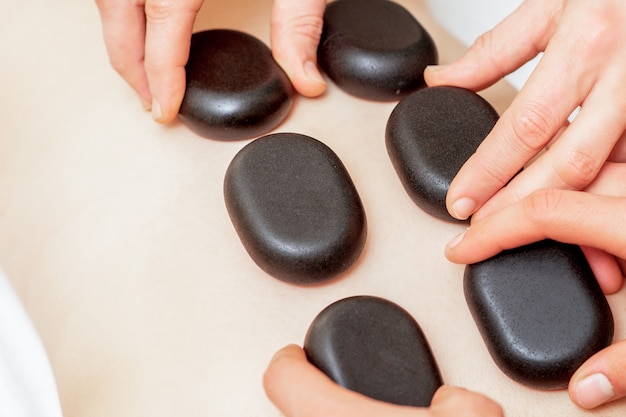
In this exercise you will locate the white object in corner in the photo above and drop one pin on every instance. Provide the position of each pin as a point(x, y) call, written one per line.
point(27, 387)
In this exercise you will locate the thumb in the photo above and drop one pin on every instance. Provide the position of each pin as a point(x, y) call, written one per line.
point(295, 34)
point(459, 402)
point(601, 379)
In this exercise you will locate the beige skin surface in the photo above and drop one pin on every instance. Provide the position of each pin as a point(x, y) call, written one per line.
point(114, 233)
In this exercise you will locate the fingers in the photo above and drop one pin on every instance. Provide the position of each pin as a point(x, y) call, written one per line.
point(299, 389)
point(572, 71)
point(610, 180)
point(606, 269)
point(123, 27)
point(516, 40)
point(459, 402)
point(575, 159)
point(296, 28)
point(601, 379)
point(567, 216)
point(169, 25)
point(534, 118)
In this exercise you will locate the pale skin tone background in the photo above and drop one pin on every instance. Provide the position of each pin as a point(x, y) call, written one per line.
point(116, 238)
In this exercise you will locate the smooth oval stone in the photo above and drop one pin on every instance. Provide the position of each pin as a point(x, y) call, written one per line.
point(295, 208)
point(430, 134)
point(540, 312)
point(373, 346)
point(374, 49)
point(235, 89)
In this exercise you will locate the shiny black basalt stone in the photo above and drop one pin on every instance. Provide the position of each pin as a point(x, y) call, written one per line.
point(295, 208)
point(430, 134)
point(373, 346)
point(235, 90)
point(374, 49)
point(540, 312)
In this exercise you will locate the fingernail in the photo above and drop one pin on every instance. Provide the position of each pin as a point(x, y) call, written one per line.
point(311, 71)
point(281, 353)
point(463, 208)
point(594, 390)
point(435, 68)
point(456, 240)
point(157, 113)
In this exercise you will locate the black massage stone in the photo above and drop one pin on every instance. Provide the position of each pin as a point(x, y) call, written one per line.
point(374, 347)
point(430, 134)
point(235, 89)
point(374, 49)
point(540, 312)
point(295, 208)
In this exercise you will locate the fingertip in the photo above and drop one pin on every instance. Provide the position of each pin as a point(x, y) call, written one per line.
point(451, 400)
point(463, 207)
point(168, 96)
point(435, 75)
point(308, 81)
point(316, 84)
point(291, 351)
point(303, 73)
point(600, 379)
point(592, 391)
point(444, 392)
point(450, 252)
point(164, 113)
point(606, 269)
point(274, 372)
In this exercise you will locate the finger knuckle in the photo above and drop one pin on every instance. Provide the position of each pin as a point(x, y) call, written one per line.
point(601, 19)
point(485, 40)
point(577, 169)
point(532, 128)
point(121, 66)
point(306, 26)
point(487, 47)
point(309, 26)
point(541, 205)
point(159, 9)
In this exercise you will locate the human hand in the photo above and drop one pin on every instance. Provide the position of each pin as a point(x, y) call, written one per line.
point(148, 44)
point(297, 388)
point(594, 218)
point(577, 217)
point(583, 64)
point(296, 28)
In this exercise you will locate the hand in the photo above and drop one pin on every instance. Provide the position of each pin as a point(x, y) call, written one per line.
point(594, 221)
point(296, 29)
point(583, 64)
point(297, 388)
point(577, 217)
point(148, 44)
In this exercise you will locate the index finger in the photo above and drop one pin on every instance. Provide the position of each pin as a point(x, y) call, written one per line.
point(562, 80)
point(169, 25)
point(524, 129)
point(123, 28)
point(574, 217)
